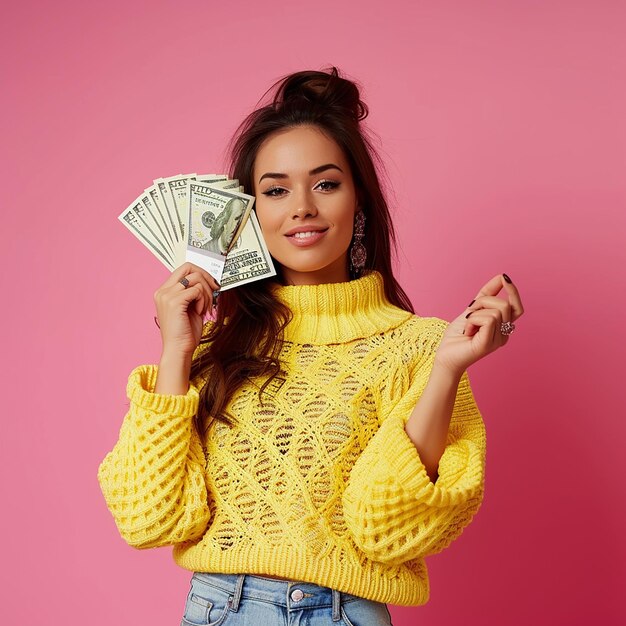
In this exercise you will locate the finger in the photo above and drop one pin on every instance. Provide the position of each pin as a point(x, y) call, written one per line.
point(215, 286)
point(495, 285)
point(187, 268)
point(198, 298)
point(208, 277)
point(514, 298)
point(490, 320)
point(195, 278)
point(208, 294)
point(491, 288)
point(200, 278)
point(491, 302)
point(178, 273)
point(199, 305)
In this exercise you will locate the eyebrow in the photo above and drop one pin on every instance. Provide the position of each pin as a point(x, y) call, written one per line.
point(317, 170)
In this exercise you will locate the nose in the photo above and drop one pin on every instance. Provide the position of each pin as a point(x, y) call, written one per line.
point(304, 205)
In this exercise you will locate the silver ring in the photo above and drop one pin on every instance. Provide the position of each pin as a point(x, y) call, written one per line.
point(184, 282)
point(506, 328)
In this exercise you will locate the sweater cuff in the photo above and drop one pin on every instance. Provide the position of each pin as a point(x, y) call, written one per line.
point(404, 460)
point(140, 391)
point(458, 470)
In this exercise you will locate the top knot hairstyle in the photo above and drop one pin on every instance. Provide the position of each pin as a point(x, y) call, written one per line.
point(249, 345)
point(328, 91)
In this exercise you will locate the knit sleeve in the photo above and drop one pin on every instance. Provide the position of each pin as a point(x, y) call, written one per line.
point(393, 510)
point(153, 479)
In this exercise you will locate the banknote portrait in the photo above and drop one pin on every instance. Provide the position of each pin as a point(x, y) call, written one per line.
point(225, 225)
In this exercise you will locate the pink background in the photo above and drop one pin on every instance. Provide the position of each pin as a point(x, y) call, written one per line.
point(502, 126)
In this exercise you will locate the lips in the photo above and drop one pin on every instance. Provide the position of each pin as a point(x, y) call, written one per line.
point(304, 237)
point(305, 230)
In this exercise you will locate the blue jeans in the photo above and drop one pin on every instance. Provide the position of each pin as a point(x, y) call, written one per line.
point(246, 600)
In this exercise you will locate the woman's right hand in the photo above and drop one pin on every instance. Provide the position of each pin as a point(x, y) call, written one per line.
point(181, 310)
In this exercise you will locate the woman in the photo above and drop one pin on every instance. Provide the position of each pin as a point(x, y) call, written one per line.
point(312, 483)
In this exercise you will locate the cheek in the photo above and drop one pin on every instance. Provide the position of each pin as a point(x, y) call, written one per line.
point(267, 220)
point(346, 222)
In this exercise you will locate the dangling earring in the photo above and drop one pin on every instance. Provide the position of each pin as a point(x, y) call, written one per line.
point(358, 254)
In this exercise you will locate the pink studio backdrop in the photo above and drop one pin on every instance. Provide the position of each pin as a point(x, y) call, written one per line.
point(502, 126)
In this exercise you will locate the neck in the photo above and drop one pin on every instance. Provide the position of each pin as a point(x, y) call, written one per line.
point(336, 272)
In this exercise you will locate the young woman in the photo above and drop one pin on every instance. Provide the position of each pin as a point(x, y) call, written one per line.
point(309, 445)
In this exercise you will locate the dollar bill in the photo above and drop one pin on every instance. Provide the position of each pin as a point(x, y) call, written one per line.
point(175, 190)
point(215, 218)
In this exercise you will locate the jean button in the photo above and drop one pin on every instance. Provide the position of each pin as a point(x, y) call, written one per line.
point(297, 595)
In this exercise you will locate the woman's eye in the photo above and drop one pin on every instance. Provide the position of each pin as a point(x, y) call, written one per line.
point(327, 185)
point(274, 192)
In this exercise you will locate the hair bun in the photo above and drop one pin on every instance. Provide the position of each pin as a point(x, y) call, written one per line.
point(321, 89)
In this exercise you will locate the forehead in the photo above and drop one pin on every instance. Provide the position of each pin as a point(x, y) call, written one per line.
point(298, 149)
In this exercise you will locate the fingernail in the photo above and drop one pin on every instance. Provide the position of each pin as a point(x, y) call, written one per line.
point(472, 302)
point(508, 280)
point(468, 314)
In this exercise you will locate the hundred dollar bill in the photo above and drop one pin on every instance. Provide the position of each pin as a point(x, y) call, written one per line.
point(137, 222)
point(176, 193)
point(216, 217)
point(180, 194)
point(249, 259)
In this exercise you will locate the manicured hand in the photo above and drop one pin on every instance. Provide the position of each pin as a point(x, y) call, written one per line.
point(476, 332)
point(181, 310)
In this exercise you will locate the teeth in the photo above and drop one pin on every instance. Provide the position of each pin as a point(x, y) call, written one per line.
point(304, 235)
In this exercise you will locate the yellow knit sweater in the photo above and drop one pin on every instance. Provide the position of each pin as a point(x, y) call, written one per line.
point(321, 483)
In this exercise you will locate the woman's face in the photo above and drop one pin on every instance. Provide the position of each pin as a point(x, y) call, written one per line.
point(305, 202)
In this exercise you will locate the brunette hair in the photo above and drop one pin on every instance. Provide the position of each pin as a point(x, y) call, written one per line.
point(245, 339)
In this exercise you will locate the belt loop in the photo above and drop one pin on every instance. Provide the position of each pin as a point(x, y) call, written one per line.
point(237, 594)
point(336, 605)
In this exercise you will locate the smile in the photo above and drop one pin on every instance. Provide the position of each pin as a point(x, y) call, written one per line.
point(306, 238)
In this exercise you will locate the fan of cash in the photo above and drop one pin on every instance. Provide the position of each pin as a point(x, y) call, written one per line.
point(205, 219)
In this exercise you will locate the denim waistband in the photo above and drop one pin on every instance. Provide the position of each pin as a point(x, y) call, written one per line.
point(293, 595)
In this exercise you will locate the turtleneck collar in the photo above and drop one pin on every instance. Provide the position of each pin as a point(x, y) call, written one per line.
point(339, 312)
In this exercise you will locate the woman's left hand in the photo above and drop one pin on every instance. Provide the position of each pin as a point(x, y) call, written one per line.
point(476, 332)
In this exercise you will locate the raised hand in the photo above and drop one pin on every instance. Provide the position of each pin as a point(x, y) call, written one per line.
point(479, 330)
point(182, 302)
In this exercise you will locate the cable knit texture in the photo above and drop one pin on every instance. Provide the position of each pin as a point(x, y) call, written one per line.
point(318, 483)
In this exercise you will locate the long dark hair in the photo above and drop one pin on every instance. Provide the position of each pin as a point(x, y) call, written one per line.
point(245, 339)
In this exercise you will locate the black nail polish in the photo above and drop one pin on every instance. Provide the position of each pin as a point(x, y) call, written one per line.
point(472, 302)
point(508, 280)
point(468, 314)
